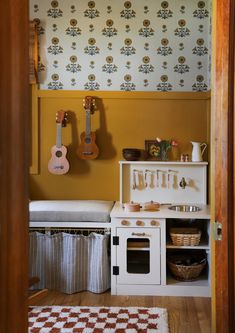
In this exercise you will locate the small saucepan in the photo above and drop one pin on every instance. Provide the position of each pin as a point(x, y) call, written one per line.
point(152, 205)
point(132, 207)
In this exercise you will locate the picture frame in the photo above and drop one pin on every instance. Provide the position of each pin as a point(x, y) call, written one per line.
point(153, 149)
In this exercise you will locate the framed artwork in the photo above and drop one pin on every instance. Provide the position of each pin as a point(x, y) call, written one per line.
point(153, 149)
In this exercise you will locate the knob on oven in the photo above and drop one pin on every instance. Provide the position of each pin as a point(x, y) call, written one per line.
point(139, 223)
point(153, 223)
point(124, 222)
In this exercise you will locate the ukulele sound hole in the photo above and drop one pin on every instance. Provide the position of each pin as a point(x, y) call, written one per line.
point(87, 140)
point(58, 153)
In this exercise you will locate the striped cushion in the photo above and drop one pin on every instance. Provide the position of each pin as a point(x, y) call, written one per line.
point(70, 210)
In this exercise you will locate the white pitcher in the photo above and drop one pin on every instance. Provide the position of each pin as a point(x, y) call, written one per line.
point(198, 150)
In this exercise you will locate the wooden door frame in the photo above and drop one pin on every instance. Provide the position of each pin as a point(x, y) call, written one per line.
point(14, 147)
point(223, 164)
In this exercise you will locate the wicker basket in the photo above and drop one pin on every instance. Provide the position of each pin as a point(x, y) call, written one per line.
point(185, 236)
point(185, 272)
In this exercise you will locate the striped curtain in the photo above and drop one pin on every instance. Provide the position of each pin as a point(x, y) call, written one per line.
point(70, 263)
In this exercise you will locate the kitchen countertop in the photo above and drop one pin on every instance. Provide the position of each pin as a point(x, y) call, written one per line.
point(164, 212)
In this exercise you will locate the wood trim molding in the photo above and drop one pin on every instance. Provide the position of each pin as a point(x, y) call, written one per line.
point(223, 138)
point(14, 128)
point(34, 156)
point(123, 95)
point(33, 53)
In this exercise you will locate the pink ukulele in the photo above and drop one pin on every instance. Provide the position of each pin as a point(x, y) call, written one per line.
point(58, 164)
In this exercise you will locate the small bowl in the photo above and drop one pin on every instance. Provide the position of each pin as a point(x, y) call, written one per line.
point(131, 154)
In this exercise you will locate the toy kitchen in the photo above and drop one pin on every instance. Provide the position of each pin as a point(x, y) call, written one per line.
point(160, 230)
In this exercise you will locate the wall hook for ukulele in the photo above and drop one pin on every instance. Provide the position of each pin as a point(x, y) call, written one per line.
point(88, 149)
point(58, 163)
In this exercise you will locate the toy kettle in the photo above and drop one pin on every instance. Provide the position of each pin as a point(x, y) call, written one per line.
point(198, 150)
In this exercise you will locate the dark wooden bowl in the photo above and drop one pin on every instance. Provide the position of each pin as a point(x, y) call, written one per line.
point(131, 154)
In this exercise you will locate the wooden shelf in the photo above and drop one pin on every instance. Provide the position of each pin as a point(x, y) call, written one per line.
point(202, 281)
point(203, 245)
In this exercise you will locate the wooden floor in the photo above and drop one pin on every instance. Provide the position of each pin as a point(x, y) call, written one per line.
point(186, 314)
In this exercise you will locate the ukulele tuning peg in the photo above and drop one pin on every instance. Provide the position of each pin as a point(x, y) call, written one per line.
point(65, 120)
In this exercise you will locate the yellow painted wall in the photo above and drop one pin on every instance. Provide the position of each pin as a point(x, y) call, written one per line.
point(122, 119)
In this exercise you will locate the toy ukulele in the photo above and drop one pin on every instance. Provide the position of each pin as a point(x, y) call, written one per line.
point(88, 149)
point(58, 163)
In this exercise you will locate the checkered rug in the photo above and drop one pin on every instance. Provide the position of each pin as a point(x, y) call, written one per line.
point(75, 319)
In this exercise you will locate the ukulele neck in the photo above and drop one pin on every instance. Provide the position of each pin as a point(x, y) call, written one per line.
point(88, 123)
point(58, 135)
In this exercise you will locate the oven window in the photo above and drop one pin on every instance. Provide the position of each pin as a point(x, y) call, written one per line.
point(138, 255)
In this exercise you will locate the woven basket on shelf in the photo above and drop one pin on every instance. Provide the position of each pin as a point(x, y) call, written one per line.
point(185, 236)
point(184, 272)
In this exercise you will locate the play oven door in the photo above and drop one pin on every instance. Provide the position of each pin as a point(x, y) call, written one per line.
point(138, 256)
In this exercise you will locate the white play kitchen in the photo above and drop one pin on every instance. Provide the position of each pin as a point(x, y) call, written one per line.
point(160, 230)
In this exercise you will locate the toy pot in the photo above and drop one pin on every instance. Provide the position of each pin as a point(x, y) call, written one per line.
point(132, 207)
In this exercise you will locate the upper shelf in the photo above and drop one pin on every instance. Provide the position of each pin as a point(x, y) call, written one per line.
point(164, 162)
point(163, 181)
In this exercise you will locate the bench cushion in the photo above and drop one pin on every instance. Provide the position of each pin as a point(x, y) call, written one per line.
point(70, 210)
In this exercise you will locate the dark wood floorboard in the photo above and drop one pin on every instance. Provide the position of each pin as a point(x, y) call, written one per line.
point(186, 314)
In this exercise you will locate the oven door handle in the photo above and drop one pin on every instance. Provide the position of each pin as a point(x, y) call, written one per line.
point(139, 234)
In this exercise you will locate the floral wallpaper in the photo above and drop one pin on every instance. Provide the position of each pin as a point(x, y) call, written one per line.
point(138, 45)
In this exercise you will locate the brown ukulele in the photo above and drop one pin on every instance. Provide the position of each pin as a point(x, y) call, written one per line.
point(58, 164)
point(88, 149)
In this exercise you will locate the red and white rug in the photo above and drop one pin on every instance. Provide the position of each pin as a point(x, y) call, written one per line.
point(76, 319)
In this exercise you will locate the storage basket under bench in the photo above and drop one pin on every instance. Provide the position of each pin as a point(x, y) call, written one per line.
point(69, 244)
